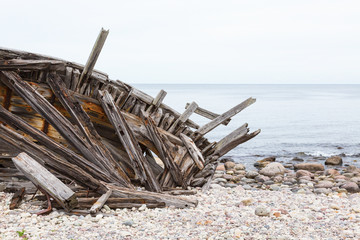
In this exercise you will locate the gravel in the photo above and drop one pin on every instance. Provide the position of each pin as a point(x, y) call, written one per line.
point(222, 213)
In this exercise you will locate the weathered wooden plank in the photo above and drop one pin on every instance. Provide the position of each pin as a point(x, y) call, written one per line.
point(225, 144)
point(82, 120)
point(223, 117)
point(42, 178)
point(169, 200)
point(157, 101)
point(207, 114)
point(75, 79)
point(193, 151)
point(233, 142)
point(86, 73)
point(127, 139)
point(156, 116)
point(185, 116)
point(68, 76)
point(165, 155)
point(15, 64)
point(100, 202)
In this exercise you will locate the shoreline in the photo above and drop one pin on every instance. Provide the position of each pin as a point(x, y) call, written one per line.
point(248, 209)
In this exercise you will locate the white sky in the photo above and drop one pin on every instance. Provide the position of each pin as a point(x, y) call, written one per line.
point(204, 41)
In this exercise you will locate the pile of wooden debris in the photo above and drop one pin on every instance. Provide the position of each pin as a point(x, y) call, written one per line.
point(75, 134)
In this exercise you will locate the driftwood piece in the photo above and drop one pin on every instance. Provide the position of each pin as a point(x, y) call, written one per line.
point(227, 143)
point(127, 139)
point(207, 114)
point(82, 120)
point(100, 202)
point(17, 198)
point(193, 151)
point(185, 116)
point(42, 178)
point(86, 73)
point(156, 116)
point(165, 155)
point(225, 116)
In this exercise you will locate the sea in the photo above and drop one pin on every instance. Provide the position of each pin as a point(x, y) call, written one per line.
point(311, 122)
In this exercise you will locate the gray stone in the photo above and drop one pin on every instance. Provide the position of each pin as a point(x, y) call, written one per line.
point(227, 176)
point(273, 169)
point(334, 160)
point(324, 184)
point(297, 159)
point(269, 182)
point(128, 223)
point(262, 211)
point(278, 179)
point(262, 178)
point(302, 173)
point(231, 185)
point(274, 187)
point(247, 187)
point(251, 174)
point(322, 190)
point(351, 187)
point(248, 180)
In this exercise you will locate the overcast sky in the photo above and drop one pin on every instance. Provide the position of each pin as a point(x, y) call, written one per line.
point(200, 41)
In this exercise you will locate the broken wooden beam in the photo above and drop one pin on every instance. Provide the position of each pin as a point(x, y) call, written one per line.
point(223, 117)
point(42, 178)
point(15, 64)
point(185, 116)
point(100, 202)
point(193, 151)
point(165, 155)
point(207, 114)
point(86, 73)
point(142, 169)
point(157, 101)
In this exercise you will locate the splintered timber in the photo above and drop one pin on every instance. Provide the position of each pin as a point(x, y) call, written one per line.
point(69, 128)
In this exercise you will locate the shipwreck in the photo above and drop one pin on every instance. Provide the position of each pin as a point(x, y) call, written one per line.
point(102, 138)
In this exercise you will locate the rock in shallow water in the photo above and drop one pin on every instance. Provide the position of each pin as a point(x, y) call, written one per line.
point(334, 160)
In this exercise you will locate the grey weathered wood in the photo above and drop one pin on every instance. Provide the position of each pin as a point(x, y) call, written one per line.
point(156, 116)
point(165, 155)
point(169, 200)
point(223, 117)
point(86, 73)
point(100, 202)
point(225, 144)
point(231, 143)
point(193, 151)
point(75, 79)
point(68, 76)
point(157, 101)
point(42, 178)
point(208, 114)
point(15, 64)
point(82, 120)
point(185, 116)
point(131, 145)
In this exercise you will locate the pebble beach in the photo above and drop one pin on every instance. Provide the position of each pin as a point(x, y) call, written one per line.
point(240, 204)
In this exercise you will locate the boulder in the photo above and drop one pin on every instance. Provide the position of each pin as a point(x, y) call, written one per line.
point(303, 173)
point(273, 169)
point(229, 165)
point(312, 167)
point(262, 178)
point(297, 159)
point(334, 160)
point(262, 163)
point(351, 187)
